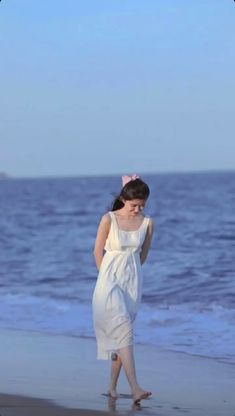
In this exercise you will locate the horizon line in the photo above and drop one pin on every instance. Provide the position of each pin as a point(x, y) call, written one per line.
point(7, 176)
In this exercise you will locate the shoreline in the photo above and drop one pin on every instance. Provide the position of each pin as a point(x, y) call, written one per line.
point(62, 372)
point(219, 359)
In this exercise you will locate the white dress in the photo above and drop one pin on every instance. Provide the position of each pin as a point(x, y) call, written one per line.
point(118, 289)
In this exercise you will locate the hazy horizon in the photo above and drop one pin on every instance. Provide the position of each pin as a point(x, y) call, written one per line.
point(143, 173)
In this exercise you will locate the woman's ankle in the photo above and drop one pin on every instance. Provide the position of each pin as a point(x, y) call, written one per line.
point(135, 388)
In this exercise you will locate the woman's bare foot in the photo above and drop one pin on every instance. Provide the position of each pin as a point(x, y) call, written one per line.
point(140, 394)
point(112, 392)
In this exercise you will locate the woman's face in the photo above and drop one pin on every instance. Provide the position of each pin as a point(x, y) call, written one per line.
point(135, 206)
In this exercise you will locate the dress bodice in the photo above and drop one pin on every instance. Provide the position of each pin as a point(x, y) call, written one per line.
point(121, 240)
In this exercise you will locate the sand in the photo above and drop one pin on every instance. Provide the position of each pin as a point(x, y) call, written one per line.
point(47, 374)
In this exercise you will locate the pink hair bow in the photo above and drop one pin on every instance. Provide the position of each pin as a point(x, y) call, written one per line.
point(126, 178)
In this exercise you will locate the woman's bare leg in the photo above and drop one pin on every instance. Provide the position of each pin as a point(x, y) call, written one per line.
point(115, 371)
point(128, 362)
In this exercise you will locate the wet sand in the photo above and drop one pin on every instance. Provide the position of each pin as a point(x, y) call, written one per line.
point(44, 374)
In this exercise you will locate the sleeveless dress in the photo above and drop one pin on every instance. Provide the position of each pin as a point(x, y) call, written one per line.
point(117, 294)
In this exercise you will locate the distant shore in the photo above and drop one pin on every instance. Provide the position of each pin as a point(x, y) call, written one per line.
point(4, 175)
point(85, 175)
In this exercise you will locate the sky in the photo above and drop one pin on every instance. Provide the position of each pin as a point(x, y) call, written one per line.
point(116, 86)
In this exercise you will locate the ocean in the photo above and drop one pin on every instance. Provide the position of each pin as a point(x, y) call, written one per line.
point(47, 269)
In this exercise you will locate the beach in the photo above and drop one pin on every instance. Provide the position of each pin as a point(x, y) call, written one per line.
point(48, 374)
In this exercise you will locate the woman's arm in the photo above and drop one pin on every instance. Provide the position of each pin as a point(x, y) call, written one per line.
point(147, 242)
point(102, 234)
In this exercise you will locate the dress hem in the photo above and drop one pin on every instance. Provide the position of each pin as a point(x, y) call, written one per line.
point(106, 355)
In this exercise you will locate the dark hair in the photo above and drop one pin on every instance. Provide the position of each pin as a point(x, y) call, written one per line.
point(134, 189)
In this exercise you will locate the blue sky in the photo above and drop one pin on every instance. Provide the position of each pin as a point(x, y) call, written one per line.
point(105, 87)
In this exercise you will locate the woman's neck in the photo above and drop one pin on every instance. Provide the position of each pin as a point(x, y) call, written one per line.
point(127, 216)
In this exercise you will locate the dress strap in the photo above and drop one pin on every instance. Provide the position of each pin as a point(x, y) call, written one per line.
point(145, 226)
point(111, 214)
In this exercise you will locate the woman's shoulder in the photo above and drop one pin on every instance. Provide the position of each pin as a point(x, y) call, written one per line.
point(150, 221)
point(106, 217)
point(147, 216)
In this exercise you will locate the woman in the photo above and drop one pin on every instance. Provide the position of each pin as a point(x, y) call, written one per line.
point(125, 234)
